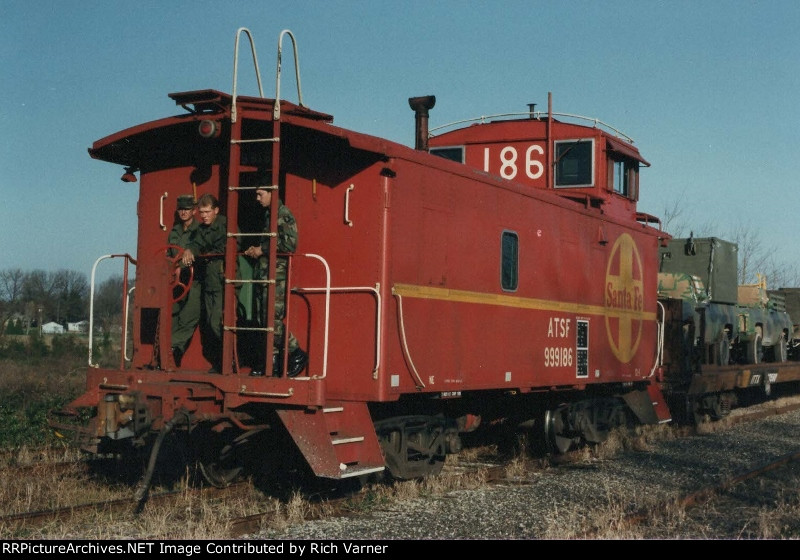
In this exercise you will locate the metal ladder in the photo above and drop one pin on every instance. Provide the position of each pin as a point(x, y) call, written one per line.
point(230, 326)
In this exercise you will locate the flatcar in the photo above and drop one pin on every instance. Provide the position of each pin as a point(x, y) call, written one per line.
point(498, 271)
point(717, 329)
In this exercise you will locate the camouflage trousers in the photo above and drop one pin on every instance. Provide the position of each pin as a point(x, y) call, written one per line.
point(262, 292)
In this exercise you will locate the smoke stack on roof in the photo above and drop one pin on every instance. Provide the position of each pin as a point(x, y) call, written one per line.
point(421, 106)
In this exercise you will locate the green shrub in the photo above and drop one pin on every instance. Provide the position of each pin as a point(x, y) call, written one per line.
point(37, 348)
point(13, 349)
point(23, 421)
point(30, 388)
point(67, 345)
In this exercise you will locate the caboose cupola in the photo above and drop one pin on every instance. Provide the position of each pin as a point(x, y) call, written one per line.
point(593, 164)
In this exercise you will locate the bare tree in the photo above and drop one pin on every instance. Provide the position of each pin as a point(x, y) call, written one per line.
point(108, 302)
point(11, 302)
point(72, 295)
point(671, 219)
point(781, 274)
point(753, 259)
point(675, 221)
point(753, 256)
point(61, 296)
point(39, 287)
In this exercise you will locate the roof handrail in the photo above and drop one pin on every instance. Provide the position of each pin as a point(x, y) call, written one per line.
point(236, 68)
point(276, 111)
point(534, 115)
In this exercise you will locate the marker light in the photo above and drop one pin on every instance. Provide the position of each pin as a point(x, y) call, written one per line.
point(209, 129)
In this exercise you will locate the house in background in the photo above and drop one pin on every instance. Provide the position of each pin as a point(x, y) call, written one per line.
point(52, 328)
point(79, 327)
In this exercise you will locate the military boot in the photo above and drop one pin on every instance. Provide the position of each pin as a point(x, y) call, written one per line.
point(298, 360)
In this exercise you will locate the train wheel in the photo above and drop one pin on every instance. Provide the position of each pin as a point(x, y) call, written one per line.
point(414, 446)
point(555, 432)
point(697, 413)
point(217, 472)
point(755, 348)
point(217, 458)
point(721, 405)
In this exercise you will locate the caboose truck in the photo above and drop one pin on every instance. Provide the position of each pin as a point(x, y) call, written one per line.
point(516, 285)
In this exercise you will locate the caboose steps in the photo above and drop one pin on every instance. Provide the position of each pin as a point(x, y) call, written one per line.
point(338, 441)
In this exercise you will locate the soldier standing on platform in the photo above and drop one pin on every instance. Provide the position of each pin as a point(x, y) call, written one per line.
point(186, 312)
point(287, 243)
point(206, 246)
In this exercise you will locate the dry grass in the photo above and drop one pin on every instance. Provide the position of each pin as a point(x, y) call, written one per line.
point(191, 515)
point(296, 510)
point(50, 376)
point(607, 521)
point(26, 455)
point(36, 490)
point(195, 516)
point(474, 454)
point(773, 509)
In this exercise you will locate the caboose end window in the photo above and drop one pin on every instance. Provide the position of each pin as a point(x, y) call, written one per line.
point(455, 153)
point(574, 163)
point(509, 273)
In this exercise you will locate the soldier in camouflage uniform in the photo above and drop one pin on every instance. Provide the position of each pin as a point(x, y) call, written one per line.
point(186, 312)
point(206, 246)
point(287, 243)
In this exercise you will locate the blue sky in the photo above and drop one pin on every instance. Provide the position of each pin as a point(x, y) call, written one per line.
point(709, 90)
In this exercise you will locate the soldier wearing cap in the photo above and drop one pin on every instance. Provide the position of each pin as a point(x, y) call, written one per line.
point(206, 251)
point(186, 312)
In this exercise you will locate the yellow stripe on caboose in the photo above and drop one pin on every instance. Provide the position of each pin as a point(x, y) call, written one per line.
point(502, 300)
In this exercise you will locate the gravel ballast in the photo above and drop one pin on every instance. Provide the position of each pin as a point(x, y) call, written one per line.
point(582, 500)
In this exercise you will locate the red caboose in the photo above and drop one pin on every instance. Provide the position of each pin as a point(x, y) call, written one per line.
point(517, 280)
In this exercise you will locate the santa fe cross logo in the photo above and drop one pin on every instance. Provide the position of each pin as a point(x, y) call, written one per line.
point(624, 298)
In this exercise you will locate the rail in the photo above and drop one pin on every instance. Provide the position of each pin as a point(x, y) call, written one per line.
point(597, 123)
point(236, 68)
point(161, 211)
point(124, 341)
point(276, 110)
point(354, 289)
point(404, 343)
point(659, 358)
point(125, 325)
point(327, 311)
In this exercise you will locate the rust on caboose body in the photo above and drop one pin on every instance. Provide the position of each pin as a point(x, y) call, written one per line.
point(427, 292)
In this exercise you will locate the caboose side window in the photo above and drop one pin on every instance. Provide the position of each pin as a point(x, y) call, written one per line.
point(619, 179)
point(453, 153)
point(509, 273)
point(574, 163)
point(624, 177)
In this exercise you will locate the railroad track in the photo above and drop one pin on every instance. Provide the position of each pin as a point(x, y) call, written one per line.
point(324, 506)
point(49, 469)
point(22, 523)
point(502, 474)
point(704, 496)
